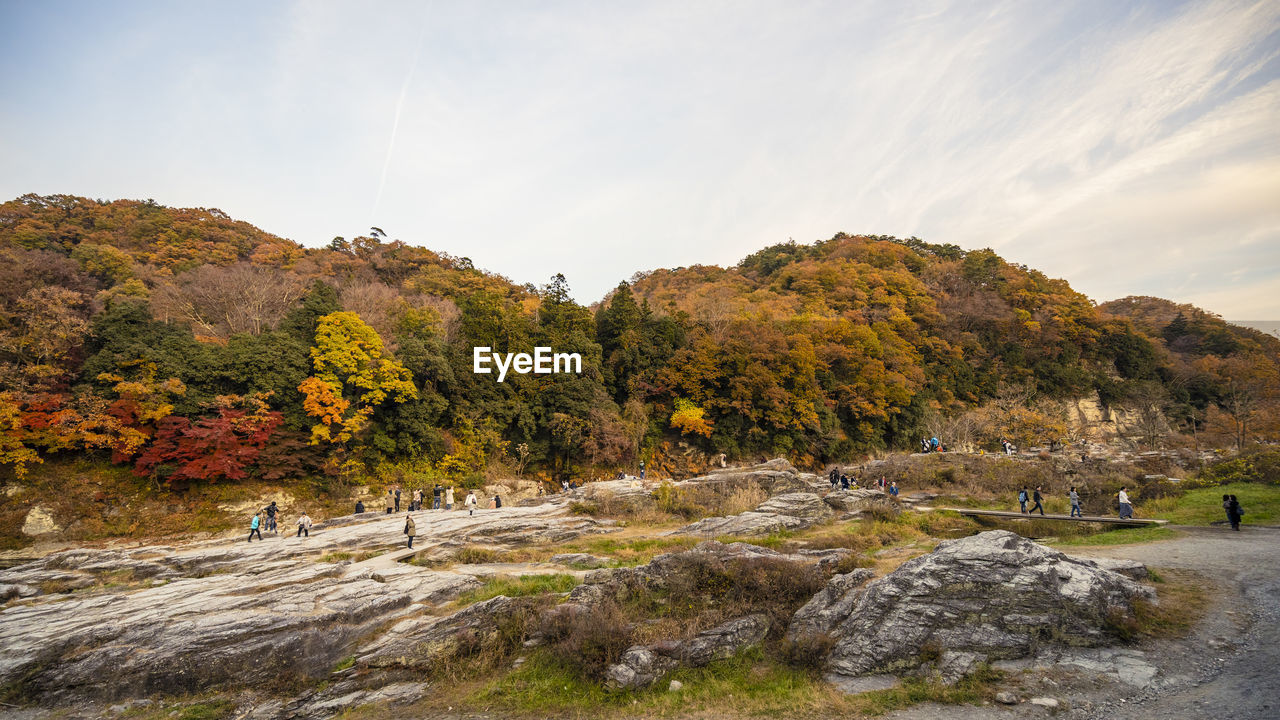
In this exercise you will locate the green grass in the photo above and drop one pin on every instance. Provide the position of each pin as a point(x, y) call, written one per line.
point(345, 663)
point(214, 710)
point(747, 685)
point(337, 556)
point(516, 586)
point(1125, 536)
point(1202, 506)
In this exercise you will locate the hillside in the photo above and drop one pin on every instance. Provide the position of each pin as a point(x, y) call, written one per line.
point(196, 348)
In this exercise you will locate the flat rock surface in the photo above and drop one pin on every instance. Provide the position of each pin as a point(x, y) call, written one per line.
point(166, 620)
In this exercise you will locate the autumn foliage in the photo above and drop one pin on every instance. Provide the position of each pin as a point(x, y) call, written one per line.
point(198, 348)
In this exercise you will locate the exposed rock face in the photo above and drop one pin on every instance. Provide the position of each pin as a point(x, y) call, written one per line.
point(231, 611)
point(788, 511)
point(775, 477)
point(421, 642)
point(829, 607)
point(860, 500)
point(580, 560)
point(631, 494)
point(803, 505)
point(745, 524)
point(991, 596)
point(641, 666)
point(39, 521)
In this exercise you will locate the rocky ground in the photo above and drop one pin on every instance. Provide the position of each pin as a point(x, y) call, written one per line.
point(89, 633)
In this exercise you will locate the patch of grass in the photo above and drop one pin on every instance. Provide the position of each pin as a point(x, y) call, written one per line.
point(345, 663)
point(1184, 599)
point(1123, 536)
point(212, 710)
point(517, 586)
point(750, 684)
point(369, 555)
point(335, 556)
point(1203, 506)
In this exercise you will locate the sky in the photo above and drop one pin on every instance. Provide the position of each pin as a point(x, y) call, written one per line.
point(1132, 148)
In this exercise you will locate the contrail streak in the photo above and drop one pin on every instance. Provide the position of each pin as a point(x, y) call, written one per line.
point(395, 125)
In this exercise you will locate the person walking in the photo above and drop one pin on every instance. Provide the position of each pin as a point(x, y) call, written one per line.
point(397, 499)
point(435, 496)
point(1075, 503)
point(1126, 508)
point(271, 516)
point(1234, 511)
point(471, 502)
point(1037, 499)
point(410, 528)
point(254, 525)
point(304, 525)
point(1023, 497)
point(448, 498)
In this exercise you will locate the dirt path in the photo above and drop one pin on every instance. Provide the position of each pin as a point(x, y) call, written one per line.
point(1228, 667)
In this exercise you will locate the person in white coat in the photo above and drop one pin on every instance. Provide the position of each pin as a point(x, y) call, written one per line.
point(471, 501)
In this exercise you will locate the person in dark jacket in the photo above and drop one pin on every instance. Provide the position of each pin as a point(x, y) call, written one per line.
point(1232, 506)
point(359, 507)
point(1023, 497)
point(1036, 498)
point(271, 516)
point(436, 492)
point(397, 499)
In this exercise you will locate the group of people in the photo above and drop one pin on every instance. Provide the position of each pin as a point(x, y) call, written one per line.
point(928, 445)
point(1124, 507)
point(844, 482)
point(267, 518)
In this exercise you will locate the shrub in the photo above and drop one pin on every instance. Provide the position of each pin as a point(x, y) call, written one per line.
point(591, 638)
point(1258, 466)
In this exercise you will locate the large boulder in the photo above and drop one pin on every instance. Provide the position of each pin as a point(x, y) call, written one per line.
point(991, 596)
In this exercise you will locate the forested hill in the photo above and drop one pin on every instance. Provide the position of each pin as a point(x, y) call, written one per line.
point(198, 348)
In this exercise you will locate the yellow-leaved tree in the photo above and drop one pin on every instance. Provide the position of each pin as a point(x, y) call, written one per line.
point(353, 375)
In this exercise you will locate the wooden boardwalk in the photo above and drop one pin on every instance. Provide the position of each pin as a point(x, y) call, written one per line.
point(1013, 515)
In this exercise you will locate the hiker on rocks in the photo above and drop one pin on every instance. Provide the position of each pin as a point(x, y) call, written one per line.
point(359, 507)
point(924, 445)
point(271, 516)
point(1234, 511)
point(1126, 508)
point(397, 499)
point(436, 492)
point(417, 499)
point(1075, 503)
point(641, 469)
point(391, 501)
point(304, 525)
point(448, 498)
point(471, 502)
point(834, 477)
point(410, 529)
point(497, 501)
point(844, 482)
point(934, 444)
point(253, 527)
point(1023, 497)
point(1037, 498)
point(893, 489)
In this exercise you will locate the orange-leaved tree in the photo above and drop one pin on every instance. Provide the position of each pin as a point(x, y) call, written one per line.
point(353, 375)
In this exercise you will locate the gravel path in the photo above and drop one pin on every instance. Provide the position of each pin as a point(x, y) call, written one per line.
point(1228, 667)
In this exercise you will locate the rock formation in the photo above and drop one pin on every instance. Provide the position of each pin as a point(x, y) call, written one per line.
point(991, 596)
